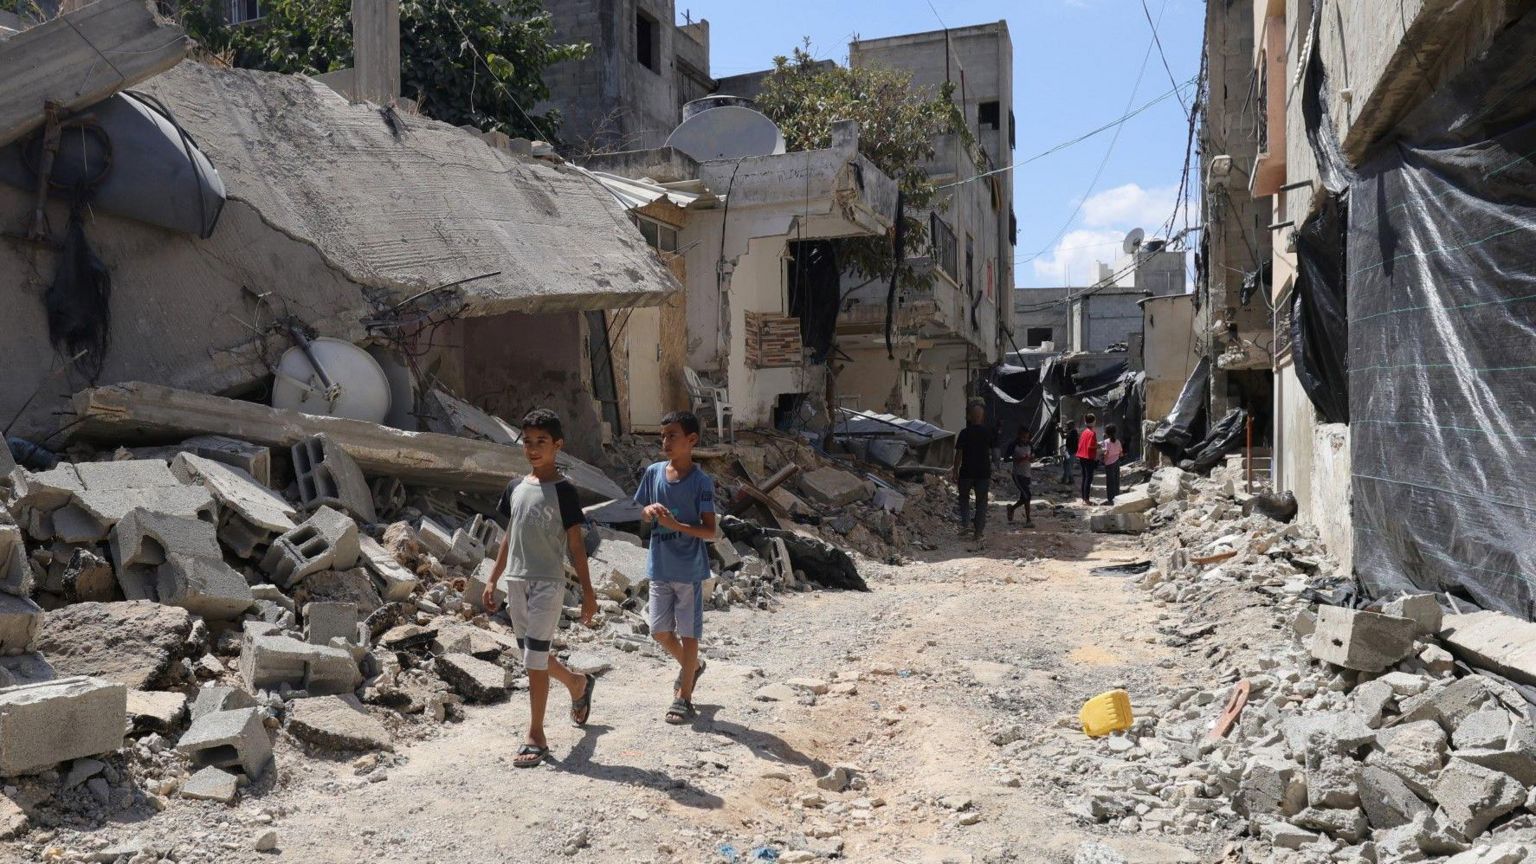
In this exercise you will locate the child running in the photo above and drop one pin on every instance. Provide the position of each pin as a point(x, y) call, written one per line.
point(1020, 452)
point(543, 527)
point(679, 498)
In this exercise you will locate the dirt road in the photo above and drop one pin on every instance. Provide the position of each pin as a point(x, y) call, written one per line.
point(945, 655)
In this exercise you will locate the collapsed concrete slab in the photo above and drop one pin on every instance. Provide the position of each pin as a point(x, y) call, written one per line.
point(212, 784)
point(176, 561)
point(1138, 500)
point(252, 459)
point(113, 489)
point(44, 724)
point(832, 487)
point(1424, 609)
point(237, 492)
point(229, 739)
point(1493, 641)
point(155, 710)
point(328, 477)
point(269, 659)
point(475, 680)
point(1365, 641)
point(327, 540)
point(337, 723)
point(135, 643)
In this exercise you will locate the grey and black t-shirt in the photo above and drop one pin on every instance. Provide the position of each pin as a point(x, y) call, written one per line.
point(538, 517)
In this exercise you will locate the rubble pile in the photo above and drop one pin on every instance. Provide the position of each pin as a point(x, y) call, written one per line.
point(1352, 736)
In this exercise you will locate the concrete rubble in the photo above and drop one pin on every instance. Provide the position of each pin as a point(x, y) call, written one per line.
point(1351, 747)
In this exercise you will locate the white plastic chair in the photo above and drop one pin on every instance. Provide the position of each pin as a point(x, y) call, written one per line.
point(704, 394)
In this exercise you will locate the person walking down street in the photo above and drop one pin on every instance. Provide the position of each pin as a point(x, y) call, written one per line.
point(972, 472)
point(1087, 455)
point(1111, 452)
point(1019, 453)
point(1068, 441)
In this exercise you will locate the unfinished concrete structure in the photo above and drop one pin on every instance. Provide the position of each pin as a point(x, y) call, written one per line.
point(1040, 317)
point(727, 227)
point(1234, 316)
point(1169, 349)
point(959, 325)
point(628, 92)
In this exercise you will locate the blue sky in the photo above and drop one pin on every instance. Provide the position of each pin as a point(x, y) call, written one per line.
point(1075, 65)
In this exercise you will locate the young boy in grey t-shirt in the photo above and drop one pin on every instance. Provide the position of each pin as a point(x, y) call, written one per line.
point(544, 523)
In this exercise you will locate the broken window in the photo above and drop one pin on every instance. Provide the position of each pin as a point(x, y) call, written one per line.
point(1037, 336)
point(942, 241)
point(241, 11)
point(1012, 124)
point(989, 115)
point(647, 42)
point(661, 237)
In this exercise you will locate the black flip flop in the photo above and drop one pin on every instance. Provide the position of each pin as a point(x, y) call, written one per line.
point(681, 712)
point(534, 750)
point(581, 709)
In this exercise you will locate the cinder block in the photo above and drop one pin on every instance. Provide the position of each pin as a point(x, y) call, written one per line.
point(229, 739)
point(389, 575)
point(236, 491)
point(210, 700)
point(474, 591)
point(269, 660)
point(487, 532)
point(326, 540)
point(253, 459)
point(1424, 609)
point(143, 538)
point(326, 475)
point(1365, 641)
point(203, 586)
point(176, 561)
point(20, 620)
point(54, 721)
point(326, 621)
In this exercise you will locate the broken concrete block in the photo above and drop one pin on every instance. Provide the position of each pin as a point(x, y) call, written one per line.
point(474, 590)
point(1437, 661)
point(1337, 733)
point(393, 581)
point(73, 525)
point(1370, 701)
point(136, 643)
point(1170, 484)
point(1471, 796)
point(269, 660)
point(1347, 825)
point(1366, 641)
point(1334, 783)
point(1499, 853)
point(1486, 729)
point(1134, 501)
point(1405, 683)
point(450, 547)
point(229, 739)
point(833, 487)
point(464, 639)
point(237, 492)
point(1118, 523)
point(155, 710)
point(1271, 784)
point(326, 621)
point(217, 698)
point(212, 784)
point(176, 561)
point(1283, 835)
point(46, 491)
point(341, 586)
point(725, 554)
point(44, 724)
point(113, 489)
point(336, 723)
point(327, 476)
point(486, 532)
point(1494, 641)
point(1518, 764)
point(613, 585)
point(20, 621)
point(143, 538)
point(475, 680)
point(1448, 704)
point(203, 586)
point(253, 459)
point(1424, 609)
point(1388, 801)
point(326, 540)
point(15, 572)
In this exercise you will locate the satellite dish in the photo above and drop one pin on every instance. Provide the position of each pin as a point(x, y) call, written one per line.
point(1133, 241)
point(727, 132)
point(349, 383)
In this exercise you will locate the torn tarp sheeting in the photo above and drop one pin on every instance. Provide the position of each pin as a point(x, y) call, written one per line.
point(1185, 424)
point(1114, 394)
point(1014, 400)
point(1442, 317)
point(1225, 437)
point(887, 438)
point(1319, 320)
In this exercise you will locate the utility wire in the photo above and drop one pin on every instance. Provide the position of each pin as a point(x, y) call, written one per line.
point(1158, 41)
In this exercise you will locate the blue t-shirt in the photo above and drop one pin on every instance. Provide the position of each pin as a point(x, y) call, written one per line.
point(674, 556)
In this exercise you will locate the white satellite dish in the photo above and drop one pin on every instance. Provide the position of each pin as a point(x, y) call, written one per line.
point(348, 383)
point(1133, 241)
point(726, 132)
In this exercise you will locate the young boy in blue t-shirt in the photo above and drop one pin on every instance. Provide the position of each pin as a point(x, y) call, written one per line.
point(679, 498)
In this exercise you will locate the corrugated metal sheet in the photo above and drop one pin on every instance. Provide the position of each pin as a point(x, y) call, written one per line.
point(638, 193)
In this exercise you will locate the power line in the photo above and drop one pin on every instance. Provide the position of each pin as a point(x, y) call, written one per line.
point(937, 15)
point(1108, 151)
point(1158, 41)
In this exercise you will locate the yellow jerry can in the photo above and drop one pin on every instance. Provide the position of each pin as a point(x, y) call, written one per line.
point(1106, 713)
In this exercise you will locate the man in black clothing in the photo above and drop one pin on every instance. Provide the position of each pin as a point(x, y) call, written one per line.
point(972, 471)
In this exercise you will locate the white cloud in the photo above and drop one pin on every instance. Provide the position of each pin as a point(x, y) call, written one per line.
point(1105, 219)
point(1130, 206)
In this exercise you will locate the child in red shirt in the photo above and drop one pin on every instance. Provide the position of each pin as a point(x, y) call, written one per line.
point(1087, 455)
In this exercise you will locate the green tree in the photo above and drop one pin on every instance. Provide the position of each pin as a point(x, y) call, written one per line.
point(897, 127)
point(466, 62)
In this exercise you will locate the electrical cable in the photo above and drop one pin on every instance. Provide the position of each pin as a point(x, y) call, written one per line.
point(1157, 40)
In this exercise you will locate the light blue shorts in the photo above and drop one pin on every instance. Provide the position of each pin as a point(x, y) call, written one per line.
point(677, 607)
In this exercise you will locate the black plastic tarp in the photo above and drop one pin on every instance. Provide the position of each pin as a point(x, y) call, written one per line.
point(1225, 437)
point(1319, 319)
point(1442, 323)
point(1185, 424)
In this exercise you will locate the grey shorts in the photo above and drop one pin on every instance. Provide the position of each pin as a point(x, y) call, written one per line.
point(534, 607)
point(677, 607)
